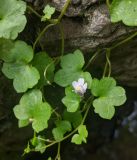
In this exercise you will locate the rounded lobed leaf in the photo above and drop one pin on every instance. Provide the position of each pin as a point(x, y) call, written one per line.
point(41, 115)
point(102, 87)
point(117, 96)
point(21, 52)
point(72, 103)
point(31, 108)
point(48, 11)
point(104, 107)
point(81, 137)
point(124, 10)
point(31, 98)
point(12, 20)
point(27, 78)
point(71, 100)
point(76, 139)
point(17, 51)
point(66, 77)
point(73, 61)
point(24, 76)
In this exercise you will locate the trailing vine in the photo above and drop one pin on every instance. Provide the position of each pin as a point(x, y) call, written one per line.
point(31, 72)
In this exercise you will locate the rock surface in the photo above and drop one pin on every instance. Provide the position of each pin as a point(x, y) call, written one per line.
point(94, 30)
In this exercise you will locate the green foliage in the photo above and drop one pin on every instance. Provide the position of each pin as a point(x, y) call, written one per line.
point(71, 100)
point(81, 136)
point(12, 18)
point(32, 109)
point(34, 72)
point(27, 149)
point(124, 10)
point(17, 66)
point(61, 129)
point(71, 68)
point(87, 77)
point(75, 118)
point(38, 144)
point(48, 12)
point(45, 66)
point(18, 51)
point(109, 95)
point(73, 62)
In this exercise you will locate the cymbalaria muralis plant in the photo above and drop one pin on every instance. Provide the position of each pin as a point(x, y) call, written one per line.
point(32, 72)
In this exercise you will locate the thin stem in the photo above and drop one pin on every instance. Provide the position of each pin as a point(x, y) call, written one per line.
point(35, 12)
point(58, 152)
point(52, 24)
point(107, 63)
point(45, 140)
point(108, 4)
point(108, 50)
point(64, 10)
point(124, 41)
point(41, 34)
point(57, 114)
point(46, 70)
point(92, 58)
point(105, 69)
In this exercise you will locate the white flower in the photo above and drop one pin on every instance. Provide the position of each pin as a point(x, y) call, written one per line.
point(80, 86)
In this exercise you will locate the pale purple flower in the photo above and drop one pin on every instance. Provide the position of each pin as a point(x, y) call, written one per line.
point(80, 86)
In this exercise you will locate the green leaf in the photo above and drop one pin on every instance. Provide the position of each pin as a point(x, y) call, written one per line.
point(21, 52)
point(72, 103)
point(81, 137)
point(71, 69)
point(23, 123)
point(75, 118)
point(71, 100)
point(87, 77)
point(15, 67)
point(27, 149)
point(104, 107)
point(33, 109)
point(45, 66)
point(57, 133)
point(48, 12)
point(18, 51)
point(24, 76)
point(109, 95)
point(66, 77)
point(38, 144)
point(61, 129)
point(124, 10)
point(102, 87)
point(12, 18)
point(5, 47)
point(73, 61)
point(76, 139)
point(117, 96)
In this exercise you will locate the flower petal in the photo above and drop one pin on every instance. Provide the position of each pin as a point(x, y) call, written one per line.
point(75, 84)
point(85, 86)
point(81, 81)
